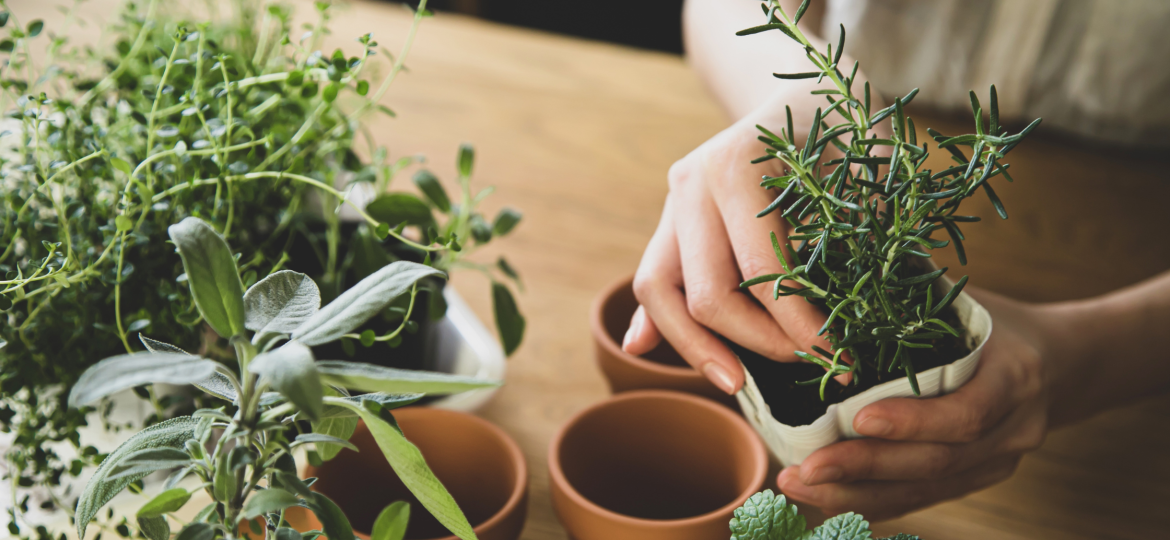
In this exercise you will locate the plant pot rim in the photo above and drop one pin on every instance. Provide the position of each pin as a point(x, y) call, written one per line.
point(513, 450)
point(601, 334)
point(759, 459)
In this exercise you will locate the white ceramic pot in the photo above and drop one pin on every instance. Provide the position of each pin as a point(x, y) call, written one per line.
point(791, 444)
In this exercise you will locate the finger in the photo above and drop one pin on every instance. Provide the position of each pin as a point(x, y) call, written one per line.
point(643, 336)
point(658, 287)
point(880, 500)
point(963, 416)
point(710, 276)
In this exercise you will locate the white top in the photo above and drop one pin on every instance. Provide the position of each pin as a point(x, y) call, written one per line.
point(1099, 69)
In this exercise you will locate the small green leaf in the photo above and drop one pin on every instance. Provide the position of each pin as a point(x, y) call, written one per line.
point(280, 302)
point(330, 92)
point(430, 186)
point(3, 18)
point(212, 275)
point(129, 370)
point(121, 165)
point(295, 78)
point(465, 161)
point(373, 378)
point(154, 528)
point(197, 530)
point(291, 371)
point(363, 88)
point(509, 321)
point(505, 221)
point(223, 485)
point(7, 45)
point(368, 337)
point(35, 27)
point(400, 207)
point(124, 223)
point(321, 440)
point(767, 517)
point(164, 503)
point(382, 231)
point(332, 518)
point(391, 523)
point(843, 527)
point(269, 500)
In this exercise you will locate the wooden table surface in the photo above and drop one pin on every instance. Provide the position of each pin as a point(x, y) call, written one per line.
point(579, 135)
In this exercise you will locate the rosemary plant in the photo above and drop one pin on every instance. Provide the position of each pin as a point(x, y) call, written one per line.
point(864, 222)
point(244, 122)
point(244, 460)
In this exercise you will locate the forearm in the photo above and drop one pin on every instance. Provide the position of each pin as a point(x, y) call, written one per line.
point(738, 69)
point(1108, 351)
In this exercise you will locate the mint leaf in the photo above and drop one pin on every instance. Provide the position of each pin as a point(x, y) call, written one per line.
point(767, 517)
point(843, 527)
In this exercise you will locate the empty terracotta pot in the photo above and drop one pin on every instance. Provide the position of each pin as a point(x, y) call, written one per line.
point(661, 368)
point(479, 464)
point(654, 465)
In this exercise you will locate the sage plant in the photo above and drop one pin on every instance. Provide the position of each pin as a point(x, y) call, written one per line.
point(865, 222)
point(245, 460)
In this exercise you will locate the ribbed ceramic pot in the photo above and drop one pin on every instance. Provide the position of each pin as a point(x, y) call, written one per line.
point(479, 464)
point(661, 368)
point(792, 444)
point(654, 465)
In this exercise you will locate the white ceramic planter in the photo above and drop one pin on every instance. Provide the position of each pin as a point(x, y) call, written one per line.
point(791, 444)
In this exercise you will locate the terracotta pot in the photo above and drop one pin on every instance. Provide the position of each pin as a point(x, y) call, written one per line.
point(661, 368)
point(654, 465)
point(479, 464)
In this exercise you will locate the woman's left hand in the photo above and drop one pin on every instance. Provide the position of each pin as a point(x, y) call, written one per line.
point(924, 451)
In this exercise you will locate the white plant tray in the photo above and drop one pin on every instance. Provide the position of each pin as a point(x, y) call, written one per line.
point(791, 445)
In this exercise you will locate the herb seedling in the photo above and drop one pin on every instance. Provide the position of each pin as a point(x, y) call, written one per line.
point(767, 517)
point(863, 233)
point(249, 470)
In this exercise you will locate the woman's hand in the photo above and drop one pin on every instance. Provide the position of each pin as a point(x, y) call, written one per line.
point(708, 241)
point(925, 451)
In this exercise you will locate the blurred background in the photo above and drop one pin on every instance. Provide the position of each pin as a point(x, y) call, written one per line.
point(647, 24)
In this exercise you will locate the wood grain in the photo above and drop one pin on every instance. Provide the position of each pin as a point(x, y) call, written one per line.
point(580, 135)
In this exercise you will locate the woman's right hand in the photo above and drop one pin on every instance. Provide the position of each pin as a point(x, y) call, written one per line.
point(708, 241)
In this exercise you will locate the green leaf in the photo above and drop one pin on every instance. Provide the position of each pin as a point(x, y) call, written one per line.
point(364, 300)
point(373, 378)
point(149, 460)
point(843, 527)
point(118, 373)
point(509, 321)
point(100, 488)
point(764, 516)
point(212, 274)
point(363, 88)
point(330, 92)
point(901, 536)
point(35, 27)
point(285, 533)
point(505, 221)
point(3, 18)
point(196, 531)
point(342, 428)
point(121, 165)
point(223, 484)
point(154, 528)
point(291, 371)
point(385, 401)
point(332, 518)
point(391, 523)
point(164, 503)
point(320, 440)
point(408, 462)
point(430, 186)
point(280, 303)
point(395, 208)
point(124, 223)
point(269, 500)
point(465, 160)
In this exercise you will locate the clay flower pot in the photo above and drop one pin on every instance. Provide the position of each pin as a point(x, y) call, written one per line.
point(792, 444)
point(661, 368)
point(654, 465)
point(479, 464)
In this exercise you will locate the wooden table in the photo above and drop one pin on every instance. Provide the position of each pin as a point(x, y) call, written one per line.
point(580, 135)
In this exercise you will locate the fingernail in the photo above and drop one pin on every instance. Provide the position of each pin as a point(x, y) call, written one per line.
point(824, 475)
point(789, 482)
point(719, 376)
point(875, 427)
point(635, 329)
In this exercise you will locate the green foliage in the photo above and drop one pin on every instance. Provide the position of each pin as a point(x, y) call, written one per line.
point(766, 516)
point(273, 386)
point(103, 149)
point(863, 234)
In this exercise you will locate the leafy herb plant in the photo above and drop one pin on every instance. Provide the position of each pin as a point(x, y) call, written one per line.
point(244, 122)
point(244, 460)
point(767, 517)
point(865, 222)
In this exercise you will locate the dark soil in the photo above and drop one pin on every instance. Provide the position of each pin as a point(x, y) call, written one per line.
point(800, 405)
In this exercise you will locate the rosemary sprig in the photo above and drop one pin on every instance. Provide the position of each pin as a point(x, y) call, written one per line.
point(860, 229)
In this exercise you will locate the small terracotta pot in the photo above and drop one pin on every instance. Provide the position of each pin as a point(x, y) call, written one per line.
point(654, 465)
point(479, 464)
point(661, 368)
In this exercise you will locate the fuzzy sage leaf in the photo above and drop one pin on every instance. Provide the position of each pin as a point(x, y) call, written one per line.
point(212, 275)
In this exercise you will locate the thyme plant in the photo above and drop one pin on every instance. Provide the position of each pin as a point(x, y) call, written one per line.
point(244, 460)
point(245, 122)
point(864, 221)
